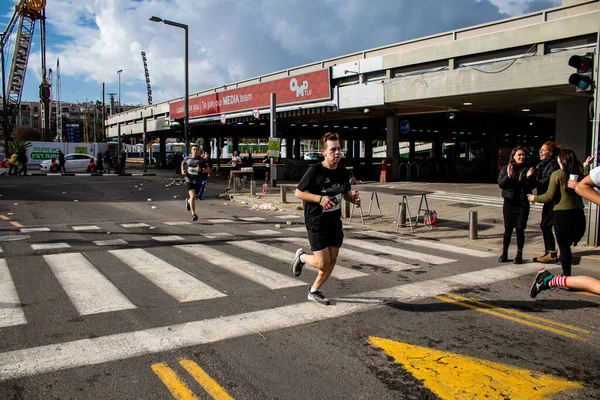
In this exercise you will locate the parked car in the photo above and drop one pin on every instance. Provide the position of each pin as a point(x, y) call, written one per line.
point(313, 156)
point(73, 163)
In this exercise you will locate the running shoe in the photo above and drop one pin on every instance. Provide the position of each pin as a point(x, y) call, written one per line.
point(187, 205)
point(194, 217)
point(318, 297)
point(540, 282)
point(297, 264)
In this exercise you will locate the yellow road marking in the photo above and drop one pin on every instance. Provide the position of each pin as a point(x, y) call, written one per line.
point(16, 224)
point(518, 313)
point(4, 217)
point(451, 376)
point(511, 318)
point(176, 386)
point(210, 385)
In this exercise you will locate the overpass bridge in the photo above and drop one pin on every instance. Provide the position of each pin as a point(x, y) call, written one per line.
point(488, 86)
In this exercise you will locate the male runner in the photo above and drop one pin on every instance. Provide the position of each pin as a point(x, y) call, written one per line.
point(192, 167)
point(322, 188)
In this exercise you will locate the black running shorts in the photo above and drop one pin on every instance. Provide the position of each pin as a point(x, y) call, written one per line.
point(194, 186)
point(321, 237)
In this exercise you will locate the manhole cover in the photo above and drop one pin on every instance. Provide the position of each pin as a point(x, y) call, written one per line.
point(13, 238)
point(463, 205)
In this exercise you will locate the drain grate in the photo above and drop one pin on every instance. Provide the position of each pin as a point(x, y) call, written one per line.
point(463, 205)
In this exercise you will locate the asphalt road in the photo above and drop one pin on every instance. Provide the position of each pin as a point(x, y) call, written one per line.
point(108, 290)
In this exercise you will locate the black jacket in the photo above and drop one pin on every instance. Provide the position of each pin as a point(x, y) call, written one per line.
point(543, 171)
point(515, 191)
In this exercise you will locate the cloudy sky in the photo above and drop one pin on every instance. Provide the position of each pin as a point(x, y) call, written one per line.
point(229, 40)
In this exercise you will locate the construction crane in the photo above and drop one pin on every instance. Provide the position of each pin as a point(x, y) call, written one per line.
point(27, 12)
point(58, 104)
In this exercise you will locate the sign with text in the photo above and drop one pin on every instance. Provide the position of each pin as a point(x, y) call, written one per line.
point(274, 149)
point(312, 86)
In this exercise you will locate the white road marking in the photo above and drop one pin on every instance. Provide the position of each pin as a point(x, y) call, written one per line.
point(221, 221)
point(253, 219)
point(11, 312)
point(176, 223)
point(0, 249)
point(138, 225)
point(297, 229)
point(60, 356)
point(89, 290)
point(287, 216)
point(253, 272)
point(217, 235)
point(178, 284)
point(50, 246)
point(114, 242)
point(85, 228)
point(287, 257)
point(29, 230)
point(427, 244)
point(265, 232)
point(361, 258)
point(168, 238)
point(398, 252)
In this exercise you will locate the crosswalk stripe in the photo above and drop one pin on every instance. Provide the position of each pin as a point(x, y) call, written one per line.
point(11, 313)
point(89, 290)
point(50, 246)
point(85, 228)
point(398, 252)
point(114, 242)
point(297, 229)
point(253, 272)
point(474, 199)
point(137, 225)
point(29, 230)
point(426, 243)
point(221, 221)
point(361, 258)
point(264, 232)
point(168, 238)
point(92, 351)
point(287, 216)
point(217, 235)
point(253, 219)
point(178, 284)
point(176, 223)
point(285, 256)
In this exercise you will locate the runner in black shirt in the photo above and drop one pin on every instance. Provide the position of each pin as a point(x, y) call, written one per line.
point(322, 188)
point(193, 167)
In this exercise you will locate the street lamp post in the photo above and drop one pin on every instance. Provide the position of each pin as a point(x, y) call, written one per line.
point(186, 117)
point(119, 72)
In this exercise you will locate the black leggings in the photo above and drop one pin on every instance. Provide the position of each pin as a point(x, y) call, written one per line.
point(546, 226)
point(508, 236)
point(566, 259)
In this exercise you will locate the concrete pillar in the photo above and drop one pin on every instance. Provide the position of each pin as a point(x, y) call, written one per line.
point(368, 151)
point(411, 150)
point(350, 149)
point(297, 148)
point(163, 151)
point(573, 126)
point(392, 150)
point(437, 148)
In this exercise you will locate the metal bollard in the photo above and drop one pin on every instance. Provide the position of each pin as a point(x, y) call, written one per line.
point(283, 198)
point(346, 208)
point(402, 214)
point(472, 225)
point(252, 188)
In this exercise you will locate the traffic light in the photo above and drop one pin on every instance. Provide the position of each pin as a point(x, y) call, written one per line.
point(583, 79)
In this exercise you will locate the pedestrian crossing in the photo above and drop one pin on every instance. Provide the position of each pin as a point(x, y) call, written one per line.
point(261, 257)
point(491, 201)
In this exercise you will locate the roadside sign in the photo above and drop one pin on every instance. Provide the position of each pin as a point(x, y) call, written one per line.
point(255, 113)
point(223, 118)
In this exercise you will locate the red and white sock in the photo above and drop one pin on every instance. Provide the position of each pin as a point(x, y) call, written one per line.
point(558, 281)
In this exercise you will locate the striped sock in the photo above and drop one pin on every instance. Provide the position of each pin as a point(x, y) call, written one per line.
point(558, 281)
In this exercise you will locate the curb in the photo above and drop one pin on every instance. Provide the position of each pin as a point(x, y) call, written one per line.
point(94, 174)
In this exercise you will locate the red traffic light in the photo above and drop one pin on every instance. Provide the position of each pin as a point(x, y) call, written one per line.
point(582, 63)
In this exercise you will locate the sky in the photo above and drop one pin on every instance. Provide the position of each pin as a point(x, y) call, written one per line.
point(229, 40)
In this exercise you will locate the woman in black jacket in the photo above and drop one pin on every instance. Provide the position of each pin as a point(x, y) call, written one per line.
point(516, 181)
point(543, 171)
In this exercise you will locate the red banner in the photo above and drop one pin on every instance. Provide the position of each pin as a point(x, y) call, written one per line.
point(303, 88)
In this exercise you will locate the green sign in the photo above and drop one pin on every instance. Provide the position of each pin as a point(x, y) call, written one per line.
point(274, 149)
point(41, 153)
point(81, 149)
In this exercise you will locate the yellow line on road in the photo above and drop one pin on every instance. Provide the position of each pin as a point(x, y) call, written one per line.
point(176, 386)
point(16, 224)
point(210, 385)
point(511, 318)
point(518, 313)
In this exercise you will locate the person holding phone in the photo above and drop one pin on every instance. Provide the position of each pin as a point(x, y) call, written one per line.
point(322, 188)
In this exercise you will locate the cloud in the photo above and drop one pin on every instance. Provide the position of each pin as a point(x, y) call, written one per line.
point(231, 40)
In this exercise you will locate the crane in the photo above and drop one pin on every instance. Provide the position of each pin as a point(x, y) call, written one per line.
point(27, 12)
point(58, 105)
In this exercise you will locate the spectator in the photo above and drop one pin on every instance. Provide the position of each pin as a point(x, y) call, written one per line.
point(54, 167)
point(107, 161)
point(22, 158)
point(61, 161)
point(248, 161)
point(91, 168)
point(99, 160)
point(267, 162)
point(122, 161)
point(235, 163)
point(14, 164)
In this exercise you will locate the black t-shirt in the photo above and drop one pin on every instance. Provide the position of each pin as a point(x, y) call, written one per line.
point(324, 182)
point(190, 164)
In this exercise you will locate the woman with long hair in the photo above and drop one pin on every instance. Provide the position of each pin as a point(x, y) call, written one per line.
point(516, 182)
point(569, 218)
